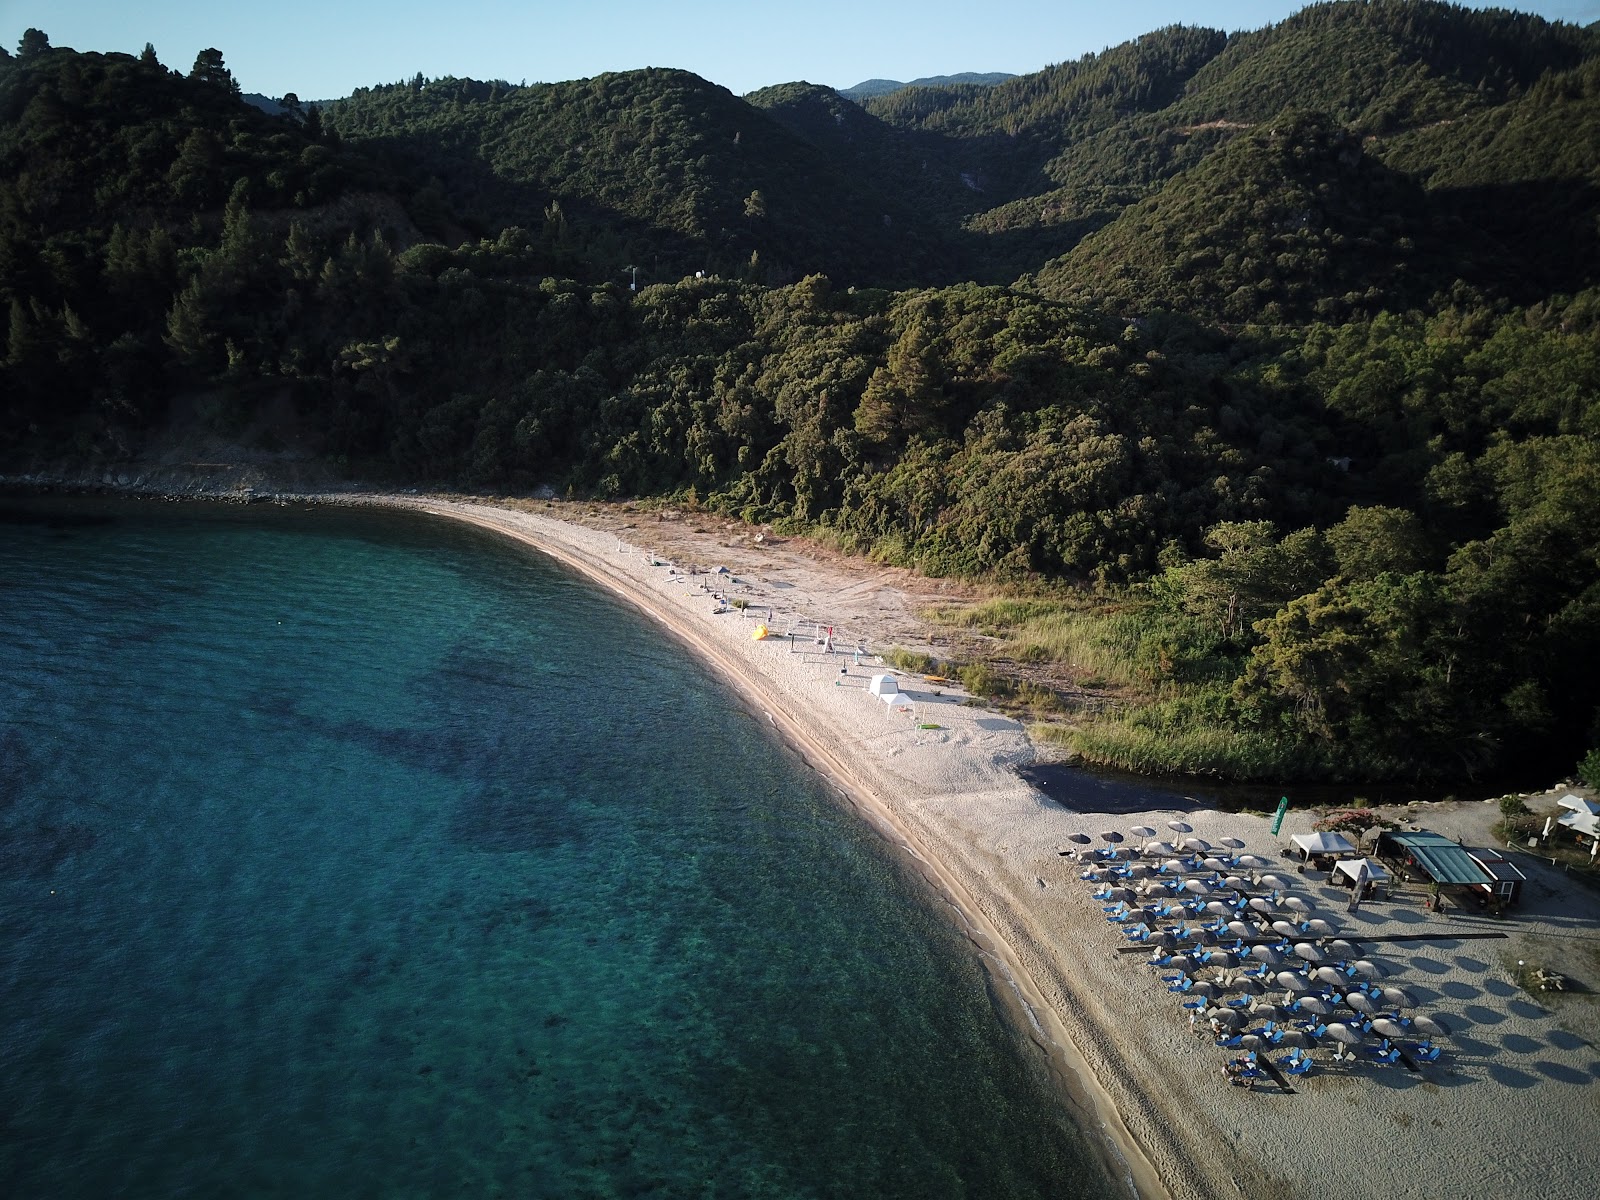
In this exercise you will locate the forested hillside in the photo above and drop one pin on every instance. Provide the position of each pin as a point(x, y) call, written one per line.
point(1264, 366)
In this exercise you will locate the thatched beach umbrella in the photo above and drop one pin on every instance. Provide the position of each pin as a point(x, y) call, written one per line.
point(1263, 904)
point(1293, 981)
point(1331, 976)
point(1321, 928)
point(1315, 1005)
point(1296, 1037)
point(1339, 948)
point(1366, 969)
point(1266, 954)
point(1285, 929)
point(1079, 839)
point(1341, 1032)
point(1198, 886)
point(1399, 997)
point(1431, 1026)
point(1299, 904)
point(1228, 1018)
point(1388, 1028)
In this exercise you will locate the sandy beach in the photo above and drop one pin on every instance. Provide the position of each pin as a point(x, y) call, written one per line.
point(1508, 1106)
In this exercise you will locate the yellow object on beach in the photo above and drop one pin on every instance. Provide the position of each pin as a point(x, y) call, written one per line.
point(759, 633)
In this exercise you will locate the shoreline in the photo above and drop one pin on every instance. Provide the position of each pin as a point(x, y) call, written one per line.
point(1129, 1165)
point(943, 790)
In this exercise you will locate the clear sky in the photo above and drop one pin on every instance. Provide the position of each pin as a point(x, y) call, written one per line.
point(326, 49)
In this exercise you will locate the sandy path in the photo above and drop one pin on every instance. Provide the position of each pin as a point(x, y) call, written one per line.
point(1510, 1105)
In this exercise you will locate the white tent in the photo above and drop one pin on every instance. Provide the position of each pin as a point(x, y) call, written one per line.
point(897, 700)
point(1322, 843)
point(883, 685)
point(1352, 868)
point(1583, 816)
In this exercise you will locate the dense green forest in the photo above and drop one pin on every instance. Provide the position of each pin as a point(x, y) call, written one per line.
point(1263, 370)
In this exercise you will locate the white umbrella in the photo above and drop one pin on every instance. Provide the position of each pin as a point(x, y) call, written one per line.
point(1159, 849)
point(1293, 981)
point(1112, 836)
point(1308, 952)
point(1300, 903)
point(1343, 1033)
point(1214, 864)
point(1218, 908)
point(1361, 1002)
point(1366, 969)
point(1266, 954)
point(1226, 959)
point(1207, 989)
point(1198, 845)
point(1230, 1017)
point(1180, 827)
point(1388, 1028)
point(1275, 882)
point(1139, 871)
point(1236, 883)
point(1263, 904)
point(1315, 1004)
point(1232, 843)
point(1253, 862)
point(1081, 839)
point(1142, 831)
point(1399, 997)
point(1296, 1037)
point(1329, 975)
point(1182, 963)
point(1285, 929)
point(1320, 927)
point(1241, 928)
point(1251, 1041)
point(1339, 948)
point(1198, 886)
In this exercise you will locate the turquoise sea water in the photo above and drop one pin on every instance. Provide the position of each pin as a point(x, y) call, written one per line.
point(347, 853)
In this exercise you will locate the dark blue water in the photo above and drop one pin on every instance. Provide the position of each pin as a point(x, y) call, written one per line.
point(356, 854)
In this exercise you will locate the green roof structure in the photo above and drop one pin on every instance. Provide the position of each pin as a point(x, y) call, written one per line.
point(1443, 860)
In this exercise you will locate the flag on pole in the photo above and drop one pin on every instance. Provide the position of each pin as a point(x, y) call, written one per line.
point(1277, 822)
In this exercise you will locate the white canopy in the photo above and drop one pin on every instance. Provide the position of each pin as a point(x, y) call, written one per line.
point(1579, 805)
point(883, 685)
point(896, 700)
point(1322, 843)
point(1352, 868)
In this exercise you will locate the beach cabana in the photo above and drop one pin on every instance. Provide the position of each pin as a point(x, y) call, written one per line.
point(883, 685)
point(1505, 877)
point(1321, 845)
point(1347, 870)
point(1581, 816)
